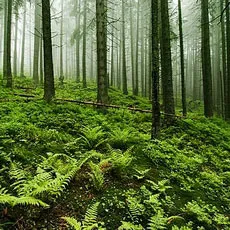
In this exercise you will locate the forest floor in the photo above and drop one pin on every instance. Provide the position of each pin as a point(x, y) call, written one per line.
point(98, 169)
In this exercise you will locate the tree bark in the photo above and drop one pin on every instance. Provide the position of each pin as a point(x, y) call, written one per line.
point(22, 74)
point(124, 72)
point(37, 37)
point(183, 87)
point(206, 60)
point(49, 91)
point(155, 70)
point(9, 83)
point(101, 22)
point(84, 46)
point(166, 65)
point(227, 80)
point(15, 45)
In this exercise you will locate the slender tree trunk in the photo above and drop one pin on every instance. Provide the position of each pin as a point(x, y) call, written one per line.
point(183, 89)
point(41, 63)
point(22, 74)
point(142, 58)
point(227, 81)
point(137, 51)
point(84, 46)
point(5, 40)
point(132, 48)
point(155, 70)
point(49, 91)
point(146, 68)
point(78, 41)
point(224, 67)
point(92, 59)
point(61, 76)
point(15, 46)
point(124, 72)
point(206, 60)
point(112, 59)
point(37, 36)
point(166, 65)
point(1, 42)
point(101, 21)
point(9, 83)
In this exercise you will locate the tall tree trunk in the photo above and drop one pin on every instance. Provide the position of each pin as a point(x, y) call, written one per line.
point(92, 59)
point(78, 41)
point(84, 46)
point(224, 67)
point(1, 42)
point(227, 81)
point(22, 74)
point(166, 65)
point(142, 57)
point(37, 36)
point(136, 92)
point(9, 83)
point(206, 60)
point(132, 48)
point(112, 59)
point(61, 76)
point(49, 91)
point(101, 21)
point(15, 45)
point(155, 70)
point(183, 89)
point(41, 63)
point(5, 40)
point(124, 72)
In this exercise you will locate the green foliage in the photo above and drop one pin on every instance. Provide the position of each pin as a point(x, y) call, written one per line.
point(120, 161)
point(73, 222)
point(129, 226)
point(140, 184)
point(96, 176)
point(90, 220)
point(157, 222)
point(8, 199)
point(93, 137)
point(122, 138)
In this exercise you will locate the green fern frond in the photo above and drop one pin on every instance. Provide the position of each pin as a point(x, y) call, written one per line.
point(91, 215)
point(96, 176)
point(157, 222)
point(135, 207)
point(30, 201)
point(130, 226)
point(13, 201)
point(181, 228)
point(73, 222)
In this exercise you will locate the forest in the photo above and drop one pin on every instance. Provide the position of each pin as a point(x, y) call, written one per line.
point(115, 114)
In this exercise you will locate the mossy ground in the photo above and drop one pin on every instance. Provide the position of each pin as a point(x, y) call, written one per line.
point(185, 173)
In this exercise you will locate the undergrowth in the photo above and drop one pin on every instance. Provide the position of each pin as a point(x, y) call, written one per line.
point(95, 169)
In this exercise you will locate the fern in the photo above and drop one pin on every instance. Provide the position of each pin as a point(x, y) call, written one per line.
point(6, 198)
point(157, 222)
point(52, 176)
point(181, 228)
point(122, 138)
point(130, 226)
point(135, 207)
point(96, 176)
point(90, 220)
point(160, 186)
point(121, 161)
point(73, 222)
point(93, 137)
point(91, 215)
